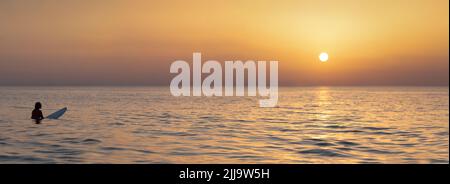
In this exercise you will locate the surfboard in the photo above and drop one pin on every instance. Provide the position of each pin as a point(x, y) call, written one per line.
point(57, 114)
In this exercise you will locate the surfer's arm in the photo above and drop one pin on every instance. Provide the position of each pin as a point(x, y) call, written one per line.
point(41, 116)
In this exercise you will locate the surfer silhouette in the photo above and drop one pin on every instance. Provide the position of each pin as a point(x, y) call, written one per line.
point(37, 113)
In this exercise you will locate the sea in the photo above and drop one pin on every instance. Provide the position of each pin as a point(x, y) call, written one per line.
point(310, 125)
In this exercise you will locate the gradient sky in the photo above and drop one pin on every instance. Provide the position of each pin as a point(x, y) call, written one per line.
point(93, 42)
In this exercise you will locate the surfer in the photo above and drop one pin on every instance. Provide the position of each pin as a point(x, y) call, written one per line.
point(37, 113)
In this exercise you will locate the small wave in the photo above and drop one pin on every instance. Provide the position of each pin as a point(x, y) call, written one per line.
point(164, 115)
point(438, 161)
point(3, 138)
point(245, 157)
point(70, 140)
point(273, 120)
point(277, 138)
point(316, 142)
point(336, 126)
point(376, 151)
point(324, 144)
point(144, 151)
point(295, 108)
point(55, 146)
point(117, 124)
point(25, 159)
point(108, 148)
point(316, 120)
point(345, 118)
point(217, 147)
point(322, 152)
point(243, 121)
point(287, 130)
point(91, 141)
point(80, 141)
point(347, 143)
point(315, 139)
point(350, 131)
point(183, 153)
point(381, 133)
point(369, 162)
point(41, 135)
point(63, 151)
point(442, 133)
point(344, 148)
point(376, 128)
point(407, 144)
point(178, 134)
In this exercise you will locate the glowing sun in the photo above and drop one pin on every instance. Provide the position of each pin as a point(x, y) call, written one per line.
point(323, 57)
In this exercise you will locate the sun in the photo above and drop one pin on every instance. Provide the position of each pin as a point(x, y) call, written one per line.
point(323, 57)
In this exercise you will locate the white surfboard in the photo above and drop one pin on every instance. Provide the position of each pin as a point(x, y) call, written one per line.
point(57, 114)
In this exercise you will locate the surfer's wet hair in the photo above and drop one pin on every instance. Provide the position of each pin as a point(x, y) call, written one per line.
point(37, 105)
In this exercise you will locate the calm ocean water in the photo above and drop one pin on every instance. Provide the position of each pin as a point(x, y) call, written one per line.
point(148, 125)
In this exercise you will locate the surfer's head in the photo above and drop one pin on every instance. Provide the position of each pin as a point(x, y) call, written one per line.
point(38, 105)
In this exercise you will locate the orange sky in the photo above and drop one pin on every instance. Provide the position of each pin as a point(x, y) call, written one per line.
point(370, 42)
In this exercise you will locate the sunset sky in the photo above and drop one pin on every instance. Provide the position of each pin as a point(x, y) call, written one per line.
point(93, 42)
